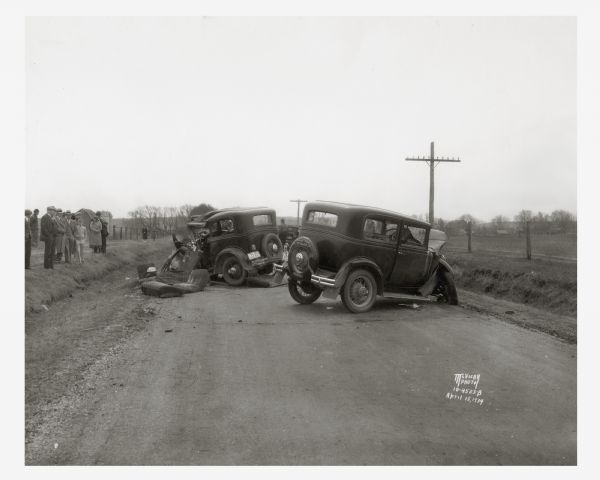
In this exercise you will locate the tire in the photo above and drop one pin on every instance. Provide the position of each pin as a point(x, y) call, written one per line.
point(271, 246)
point(303, 257)
point(303, 294)
point(233, 271)
point(446, 289)
point(359, 291)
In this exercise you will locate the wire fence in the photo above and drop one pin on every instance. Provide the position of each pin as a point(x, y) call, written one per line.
point(522, 244)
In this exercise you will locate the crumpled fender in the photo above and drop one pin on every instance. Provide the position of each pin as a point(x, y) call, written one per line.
point(358, 262)
point(428, 287)
point(238, 252)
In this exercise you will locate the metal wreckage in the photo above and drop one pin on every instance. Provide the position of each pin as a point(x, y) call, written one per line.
point(237, 245)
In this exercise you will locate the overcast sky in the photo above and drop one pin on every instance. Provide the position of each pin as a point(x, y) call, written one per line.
point(123, 112)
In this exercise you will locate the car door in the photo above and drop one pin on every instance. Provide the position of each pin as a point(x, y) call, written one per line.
point(379, 244)
point(412, 259)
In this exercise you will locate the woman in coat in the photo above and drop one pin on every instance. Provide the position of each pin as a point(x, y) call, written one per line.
point(95, 237)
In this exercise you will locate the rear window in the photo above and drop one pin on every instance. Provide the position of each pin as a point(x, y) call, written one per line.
point(322, 218)
point(258, 220)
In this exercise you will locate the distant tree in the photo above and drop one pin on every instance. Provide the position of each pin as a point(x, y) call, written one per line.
point(522, 218)
point(541, 223)
point(563, 221)
point(202, 208)
point(499, 222)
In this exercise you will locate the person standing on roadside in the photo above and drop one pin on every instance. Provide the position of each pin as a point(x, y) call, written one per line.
point(104, 234)
point(60, 234)
point(80, 235)
point(34, 223)
point(73, 226)
point(27, 239)
point(68, 238)
point(48, 232)
point(95, 233)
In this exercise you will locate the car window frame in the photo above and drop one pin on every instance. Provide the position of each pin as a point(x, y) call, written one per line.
point(423, 246)
point(337, 218)
point(386, 221)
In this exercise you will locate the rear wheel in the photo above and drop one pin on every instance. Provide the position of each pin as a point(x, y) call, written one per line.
point(446, 289)
point(304, 294)
point(360, 291)
point(233, 272)
point(303, 257)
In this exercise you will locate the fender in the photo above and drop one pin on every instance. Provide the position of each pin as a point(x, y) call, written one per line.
point(237, 252)
point(431, 283)
point(358, 262)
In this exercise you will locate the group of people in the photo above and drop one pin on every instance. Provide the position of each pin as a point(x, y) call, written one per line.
point(64, 235)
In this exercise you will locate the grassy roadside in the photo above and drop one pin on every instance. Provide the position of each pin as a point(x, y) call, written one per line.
point(43, 287)
point(542, 283)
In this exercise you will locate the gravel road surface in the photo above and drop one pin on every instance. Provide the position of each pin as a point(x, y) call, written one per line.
point(247, 376)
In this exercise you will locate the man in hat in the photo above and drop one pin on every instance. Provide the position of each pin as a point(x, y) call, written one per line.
point(60, 234)
point(68, 237)
point(27, 239)
point(34, 223)
point(48, 236)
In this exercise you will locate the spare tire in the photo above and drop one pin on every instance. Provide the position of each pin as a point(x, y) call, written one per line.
point(303, 257)
point(271, 246)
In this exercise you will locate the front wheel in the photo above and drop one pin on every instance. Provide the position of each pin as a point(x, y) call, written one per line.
point(303, 294)
point(360, 291)
point(446, 289)
point(234, 273)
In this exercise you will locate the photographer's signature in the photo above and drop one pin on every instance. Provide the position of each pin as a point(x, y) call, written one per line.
point(466, 389)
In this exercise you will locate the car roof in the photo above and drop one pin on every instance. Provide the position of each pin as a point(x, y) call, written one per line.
point(234, 211)
point(352, 208)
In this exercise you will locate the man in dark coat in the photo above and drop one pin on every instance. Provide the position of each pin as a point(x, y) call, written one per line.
point(60, 234)
point(103, 231)
point(27, 239)
point(48, 236)
point(34, 223)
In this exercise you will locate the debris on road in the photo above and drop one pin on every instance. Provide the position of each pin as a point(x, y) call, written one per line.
point(161, 290)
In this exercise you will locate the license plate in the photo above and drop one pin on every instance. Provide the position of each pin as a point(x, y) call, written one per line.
point(253, 255)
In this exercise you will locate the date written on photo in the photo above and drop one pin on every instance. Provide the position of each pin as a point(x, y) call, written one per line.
point(465, 388)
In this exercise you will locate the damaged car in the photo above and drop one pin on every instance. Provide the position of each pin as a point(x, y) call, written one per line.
point(233, 243)
point(360, 253)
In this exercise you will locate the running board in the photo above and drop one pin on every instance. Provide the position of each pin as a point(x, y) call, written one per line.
point(408, 298)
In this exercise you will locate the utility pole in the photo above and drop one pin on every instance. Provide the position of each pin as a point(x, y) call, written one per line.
point(298, 214)
point(433, 162)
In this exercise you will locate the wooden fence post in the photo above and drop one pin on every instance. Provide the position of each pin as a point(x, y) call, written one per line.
point(120, 233)
point(125, 233)
point(469, 233)
point(528, 239)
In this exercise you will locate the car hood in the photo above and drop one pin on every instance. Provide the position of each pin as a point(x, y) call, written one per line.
point(437, 239)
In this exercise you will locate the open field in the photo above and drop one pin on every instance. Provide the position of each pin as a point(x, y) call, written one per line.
point(560, 245)
point(544, 283)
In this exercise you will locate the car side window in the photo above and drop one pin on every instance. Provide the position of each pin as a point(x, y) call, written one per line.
point(381, 230)
point(410, 235)
point(226, 225)
point(213, 228)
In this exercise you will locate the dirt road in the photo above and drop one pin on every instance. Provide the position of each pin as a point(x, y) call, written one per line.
point(246, 376)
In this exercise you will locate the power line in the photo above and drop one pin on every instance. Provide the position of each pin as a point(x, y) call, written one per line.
point(433, 162)
point(298, 215)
